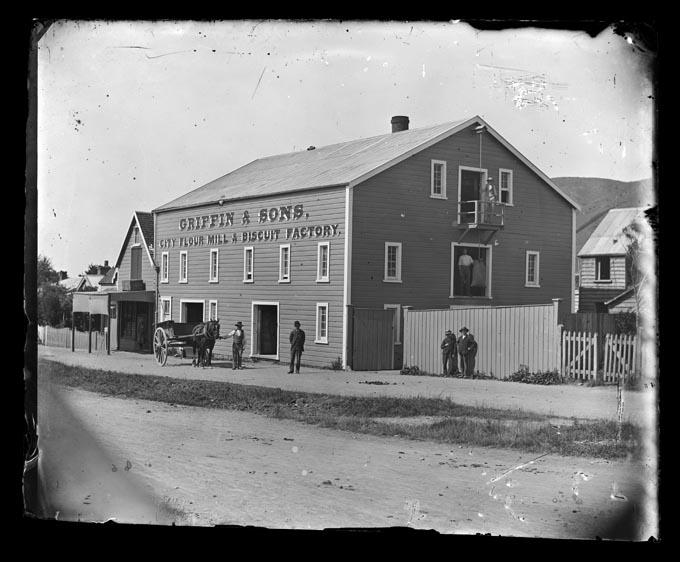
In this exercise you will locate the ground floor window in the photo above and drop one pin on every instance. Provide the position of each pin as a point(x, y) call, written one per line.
point(212, 311)
point(470, 270)
point(166, 309)
point(321, 323)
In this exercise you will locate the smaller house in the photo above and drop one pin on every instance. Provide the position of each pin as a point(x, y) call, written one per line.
point(76, 284)
point(604, 268)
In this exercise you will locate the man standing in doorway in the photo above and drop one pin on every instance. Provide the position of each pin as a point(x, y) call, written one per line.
point(297, 346)
point(465, 270)
point(237, 346)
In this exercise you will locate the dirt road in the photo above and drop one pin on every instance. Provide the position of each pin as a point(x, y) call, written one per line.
point(200, 466)
point(562, 401)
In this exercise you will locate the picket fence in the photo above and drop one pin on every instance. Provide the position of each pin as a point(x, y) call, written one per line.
point(620, 357)
point(579, 355)
point(61, 337)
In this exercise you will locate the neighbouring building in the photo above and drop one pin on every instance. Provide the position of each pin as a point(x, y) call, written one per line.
point(604, 267)
point(374, 223)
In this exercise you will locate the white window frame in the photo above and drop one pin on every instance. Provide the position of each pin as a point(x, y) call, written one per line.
point(210, 305)
point(184, 279)
point(185, 301)
point(509, 189)
point(245, 264)
point(397, 278)
point(319, 277)
point(397, 317)
point(433, 164)
point(216, 279)
point(161, 316)
point(135, 236)
point(598, 277)
point(165, 267)
point(485, 174)
point(284, 277)
point(537, 270)
point(489, 270)
point(317, 337)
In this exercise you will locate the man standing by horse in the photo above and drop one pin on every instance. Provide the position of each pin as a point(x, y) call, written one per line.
point(237, 345)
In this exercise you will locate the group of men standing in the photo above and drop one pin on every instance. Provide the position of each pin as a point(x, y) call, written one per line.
point(461, 350)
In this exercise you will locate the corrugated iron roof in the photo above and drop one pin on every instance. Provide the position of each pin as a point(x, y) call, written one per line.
point(74, 283)
point(108, 277)
point(334, 165)
point(607, 238)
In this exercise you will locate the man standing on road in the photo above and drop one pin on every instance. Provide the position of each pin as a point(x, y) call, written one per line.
point(297, 346)
point(448, 347)
point(467, 349)
point(237, 346)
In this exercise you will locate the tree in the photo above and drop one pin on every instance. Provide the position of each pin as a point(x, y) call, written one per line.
point(94, 269)
point(52, 305)
point(46, 273)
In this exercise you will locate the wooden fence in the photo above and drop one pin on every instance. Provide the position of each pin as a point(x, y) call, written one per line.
point(507, 336)
point(620, 357)
point(579, 355)
point(61, 337)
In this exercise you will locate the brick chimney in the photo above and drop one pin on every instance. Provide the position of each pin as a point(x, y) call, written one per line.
point(399, 123)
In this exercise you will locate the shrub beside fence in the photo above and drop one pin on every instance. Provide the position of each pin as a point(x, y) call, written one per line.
point(61, 337)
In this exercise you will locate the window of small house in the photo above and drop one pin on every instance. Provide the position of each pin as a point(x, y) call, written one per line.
point(602, 268)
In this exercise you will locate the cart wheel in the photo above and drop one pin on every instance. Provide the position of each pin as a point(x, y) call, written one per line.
point(160, 346)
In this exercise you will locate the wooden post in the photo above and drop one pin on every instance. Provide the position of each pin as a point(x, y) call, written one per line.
point(89, 333)
point(108, 333)
point(597, 374)
point(73, 331)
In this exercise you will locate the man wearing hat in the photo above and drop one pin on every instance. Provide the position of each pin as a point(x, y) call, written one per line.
point(237, 346)
point(448, 347)
point(297, 346)
point(467, 349)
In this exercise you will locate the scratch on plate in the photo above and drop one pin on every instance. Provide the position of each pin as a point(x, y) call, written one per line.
point(516, 468)
point(166, 54)
point(258, 82)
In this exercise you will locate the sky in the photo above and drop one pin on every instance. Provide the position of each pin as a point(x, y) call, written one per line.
point(134, 114)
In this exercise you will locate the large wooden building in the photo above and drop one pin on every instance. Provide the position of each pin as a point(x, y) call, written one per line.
point(376, 223)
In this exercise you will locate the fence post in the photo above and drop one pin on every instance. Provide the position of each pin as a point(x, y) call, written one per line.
point(89, 333)
point(597, 374)
point(73, 332)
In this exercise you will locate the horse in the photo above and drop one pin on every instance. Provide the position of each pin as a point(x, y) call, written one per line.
point(203, 338)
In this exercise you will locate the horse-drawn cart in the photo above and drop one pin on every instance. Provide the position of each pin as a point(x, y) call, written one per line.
point(170, 334)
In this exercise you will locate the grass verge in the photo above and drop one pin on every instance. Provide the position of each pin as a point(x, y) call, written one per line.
point(459, 424)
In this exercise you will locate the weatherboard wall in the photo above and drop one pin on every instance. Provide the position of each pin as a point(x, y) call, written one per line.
point(297, 299)
point(395, 206)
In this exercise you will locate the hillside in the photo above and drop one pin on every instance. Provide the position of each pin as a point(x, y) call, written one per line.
point(597, 195)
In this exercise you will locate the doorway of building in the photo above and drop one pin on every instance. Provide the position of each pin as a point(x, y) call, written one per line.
point(470, 184)
point(266, 330)
point(192, 312)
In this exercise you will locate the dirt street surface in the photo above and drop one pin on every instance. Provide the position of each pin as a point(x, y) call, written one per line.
point(154, 462)
point(562, 401)
point(146, 462)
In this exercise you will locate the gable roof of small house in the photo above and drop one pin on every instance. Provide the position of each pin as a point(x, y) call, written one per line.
point(144, 221)
point(74, 283)
point(347, 163)
point(608, 239)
